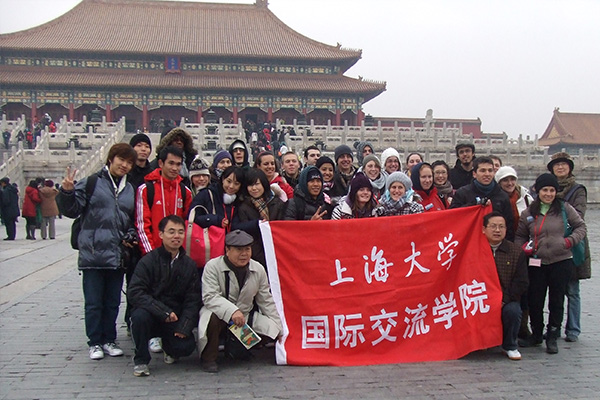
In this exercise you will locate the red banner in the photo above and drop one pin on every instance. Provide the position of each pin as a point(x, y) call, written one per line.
point(419, 287)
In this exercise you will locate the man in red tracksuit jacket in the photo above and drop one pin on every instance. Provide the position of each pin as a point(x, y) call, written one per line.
point(168, 199)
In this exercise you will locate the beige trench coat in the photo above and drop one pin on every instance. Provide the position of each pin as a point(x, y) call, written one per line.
point(265, 321)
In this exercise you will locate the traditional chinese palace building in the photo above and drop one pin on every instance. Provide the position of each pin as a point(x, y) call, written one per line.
point(571, 132)
point(147, 60)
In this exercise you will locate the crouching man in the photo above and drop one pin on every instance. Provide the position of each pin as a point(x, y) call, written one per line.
point(511, 264)
point(165, 297)
point(231, 285)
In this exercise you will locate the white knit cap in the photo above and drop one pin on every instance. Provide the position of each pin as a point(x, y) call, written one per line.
point(503, 172)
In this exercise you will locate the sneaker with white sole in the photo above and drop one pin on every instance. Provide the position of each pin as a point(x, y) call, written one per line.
point(168, 359)
point(514, 355)
point(141, 370)
point(154, 345)
point(112, 349)
point(96, 352)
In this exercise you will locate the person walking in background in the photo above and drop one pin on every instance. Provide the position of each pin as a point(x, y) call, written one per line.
point(9, 205)
point(30, 201)
point(49, 209)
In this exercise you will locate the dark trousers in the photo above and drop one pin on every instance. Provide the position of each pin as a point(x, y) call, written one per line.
point(144, 326)
point(11, 227)
point(554, 279)
point(134, 257)
point(102, 295)
point(511, 322)
point(213, 331)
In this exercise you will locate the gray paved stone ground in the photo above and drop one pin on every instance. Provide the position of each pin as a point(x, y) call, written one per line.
point(43, 353)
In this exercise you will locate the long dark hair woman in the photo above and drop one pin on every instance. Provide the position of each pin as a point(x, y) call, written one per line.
point(220, 199)
point(259, 204)
point(543, 231)
point(360, 201)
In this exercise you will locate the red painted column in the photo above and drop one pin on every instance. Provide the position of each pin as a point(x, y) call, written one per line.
point(108, 113)
point(71, 112)
point(360, 116)
point(235, 115)
point(145, 117)
point(338, 117)
point(270, 114)
point(33, 112)
point(199, 116)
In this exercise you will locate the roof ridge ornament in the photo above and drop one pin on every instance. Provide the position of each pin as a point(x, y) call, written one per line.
point(262, 3)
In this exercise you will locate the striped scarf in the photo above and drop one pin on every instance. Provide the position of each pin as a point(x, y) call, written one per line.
point(261, 205)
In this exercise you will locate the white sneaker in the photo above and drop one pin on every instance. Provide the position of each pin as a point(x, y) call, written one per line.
point(513, 354)
point(154, 345)
point(112, 349)
point(96, 352)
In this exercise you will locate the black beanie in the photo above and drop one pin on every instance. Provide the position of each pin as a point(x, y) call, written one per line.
point(140, 137)
point(546, 180)
point(342, 149)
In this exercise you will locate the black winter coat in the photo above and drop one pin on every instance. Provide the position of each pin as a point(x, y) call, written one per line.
point(160, 288)
point(467, 196)
point(248, 222)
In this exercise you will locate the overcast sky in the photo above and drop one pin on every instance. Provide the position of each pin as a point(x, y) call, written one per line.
point(508, 62)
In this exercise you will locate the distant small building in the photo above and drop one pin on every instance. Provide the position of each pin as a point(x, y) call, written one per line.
point(571, 132)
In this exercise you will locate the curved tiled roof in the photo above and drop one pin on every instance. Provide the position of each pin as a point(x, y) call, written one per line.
point(39, 77)
point(176, 29)
point(572, 128)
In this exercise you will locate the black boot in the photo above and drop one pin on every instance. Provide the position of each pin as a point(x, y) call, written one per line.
point(28, 230)
point(551, 340)
point(531, 341)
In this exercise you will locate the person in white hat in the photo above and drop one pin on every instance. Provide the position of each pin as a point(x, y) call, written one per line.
point(519, 196)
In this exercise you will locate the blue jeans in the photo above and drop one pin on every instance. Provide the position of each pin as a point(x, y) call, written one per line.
point(102, 295)
point(573, 326)
point(511, 322)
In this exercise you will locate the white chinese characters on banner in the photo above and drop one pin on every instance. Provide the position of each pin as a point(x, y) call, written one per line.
point(348, 334)
point(413, 261)
point(348, 329)
point(445, 247)
point(472, 297)
point(445, 309)
point(380, 269)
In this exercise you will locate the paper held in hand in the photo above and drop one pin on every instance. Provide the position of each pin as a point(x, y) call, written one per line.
point(245, 335)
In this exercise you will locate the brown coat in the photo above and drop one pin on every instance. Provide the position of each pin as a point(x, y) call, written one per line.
point(511, 264)
point(48, 205)
point(551, 241)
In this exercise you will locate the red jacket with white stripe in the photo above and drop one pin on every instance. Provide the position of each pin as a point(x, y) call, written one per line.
point(167, 201)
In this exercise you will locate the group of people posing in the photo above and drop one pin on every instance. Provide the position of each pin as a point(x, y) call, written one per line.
point(134, 221)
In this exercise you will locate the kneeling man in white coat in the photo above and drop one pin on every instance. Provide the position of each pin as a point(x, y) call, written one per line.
point(231, 285)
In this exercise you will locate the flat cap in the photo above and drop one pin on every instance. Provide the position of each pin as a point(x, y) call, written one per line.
point(238, 238)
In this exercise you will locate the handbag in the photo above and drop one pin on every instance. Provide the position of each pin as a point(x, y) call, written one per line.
point(578, 250)
point(202, 244)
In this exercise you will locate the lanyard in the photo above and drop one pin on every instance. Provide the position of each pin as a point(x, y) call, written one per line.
point(535, 233)
point(229, 218)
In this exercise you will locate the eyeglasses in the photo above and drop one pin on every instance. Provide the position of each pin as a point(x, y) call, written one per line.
point(440, 173)
point(496, 227)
